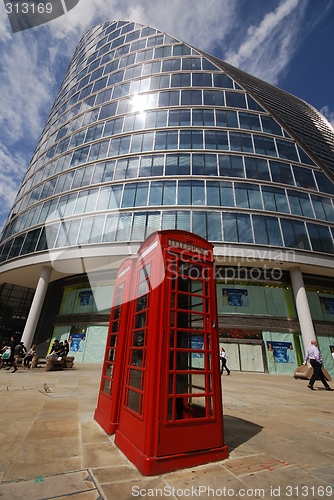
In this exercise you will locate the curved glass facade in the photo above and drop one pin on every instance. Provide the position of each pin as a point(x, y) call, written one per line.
point(148, 133)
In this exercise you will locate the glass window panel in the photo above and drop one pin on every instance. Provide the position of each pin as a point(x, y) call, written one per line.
point(153, 223)
point(115, 196)
point(244, 228)
point(324, 183)
point(136, 144)
point(185, 139)
point(198, 165)
point(323, 239)
point(172, 140)
point(281, 172)
point(124, 226)
point(156, 193)
point(304, 177)
point(214, 226)
point(110, 228)
point(184, 190)
point(81, 202)
point(305, 203)
point(235, 100)
point(141, 195)
point(318, 207)
point(103, 200)
point(85, 231)
point(198, 195)
point(274, 233)
point(257, 169)
point(294, 203)
point(169, 193)
point(287, 150)
point(168, 220)
point(183, 220)
point(294, 234)
point(241, 196)
point(97, 229)
point(91, 200)
point(221, 80)
point(148, 142)
point(270, 126)
point(213, 193)
point(230, 227)
point(139, 225)
point(226, 194)
point(264, 146)
point(129, 195)
point(199, 223)
point(249, 121)
point(30, 241)
point(260, 230)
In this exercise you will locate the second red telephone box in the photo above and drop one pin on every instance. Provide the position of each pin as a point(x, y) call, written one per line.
point(108, 406)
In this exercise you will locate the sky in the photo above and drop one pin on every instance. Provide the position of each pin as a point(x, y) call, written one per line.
point(288, 43)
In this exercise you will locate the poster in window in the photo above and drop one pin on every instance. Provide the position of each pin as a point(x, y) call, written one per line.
point(235, 297)
point(280, 352)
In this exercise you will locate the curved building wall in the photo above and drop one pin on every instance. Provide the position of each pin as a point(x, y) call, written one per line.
point(149, 133)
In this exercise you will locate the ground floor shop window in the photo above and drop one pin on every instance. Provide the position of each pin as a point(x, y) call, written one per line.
point(87, 342)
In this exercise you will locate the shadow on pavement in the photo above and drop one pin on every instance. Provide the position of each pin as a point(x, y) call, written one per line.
point(237, 431)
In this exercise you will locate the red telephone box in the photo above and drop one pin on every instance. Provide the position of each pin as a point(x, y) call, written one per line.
point(108, 407)
point(171, 407)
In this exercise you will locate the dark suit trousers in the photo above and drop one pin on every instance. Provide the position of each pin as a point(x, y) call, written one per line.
point(317, 373)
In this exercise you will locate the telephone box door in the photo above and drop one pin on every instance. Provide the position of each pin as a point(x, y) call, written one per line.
point(190, 402)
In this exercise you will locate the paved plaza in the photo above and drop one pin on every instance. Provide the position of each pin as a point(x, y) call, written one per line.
point(280, 437)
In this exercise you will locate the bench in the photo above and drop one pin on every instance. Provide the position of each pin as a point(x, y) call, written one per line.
point(37, 362)
point(19, 359)
point(53, 363)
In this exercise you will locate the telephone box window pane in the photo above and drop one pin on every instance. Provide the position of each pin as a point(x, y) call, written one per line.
point(107, 386)
point(135, 378)
point(134, 401)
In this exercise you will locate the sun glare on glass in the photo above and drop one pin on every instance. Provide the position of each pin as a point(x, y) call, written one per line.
point(139, 103)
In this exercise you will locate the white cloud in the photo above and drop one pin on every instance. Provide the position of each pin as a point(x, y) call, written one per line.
point(13, 168)
point(270, 46)
point(328, 114)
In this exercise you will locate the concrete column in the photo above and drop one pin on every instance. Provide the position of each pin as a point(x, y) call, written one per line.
point(303, 310)
point(36, 307)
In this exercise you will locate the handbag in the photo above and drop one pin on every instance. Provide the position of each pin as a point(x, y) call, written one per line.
point(6, 354)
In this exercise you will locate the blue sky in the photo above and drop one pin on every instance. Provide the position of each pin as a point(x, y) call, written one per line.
point(288, 43)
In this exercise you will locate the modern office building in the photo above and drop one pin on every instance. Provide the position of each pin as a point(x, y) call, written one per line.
point(149, 133)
